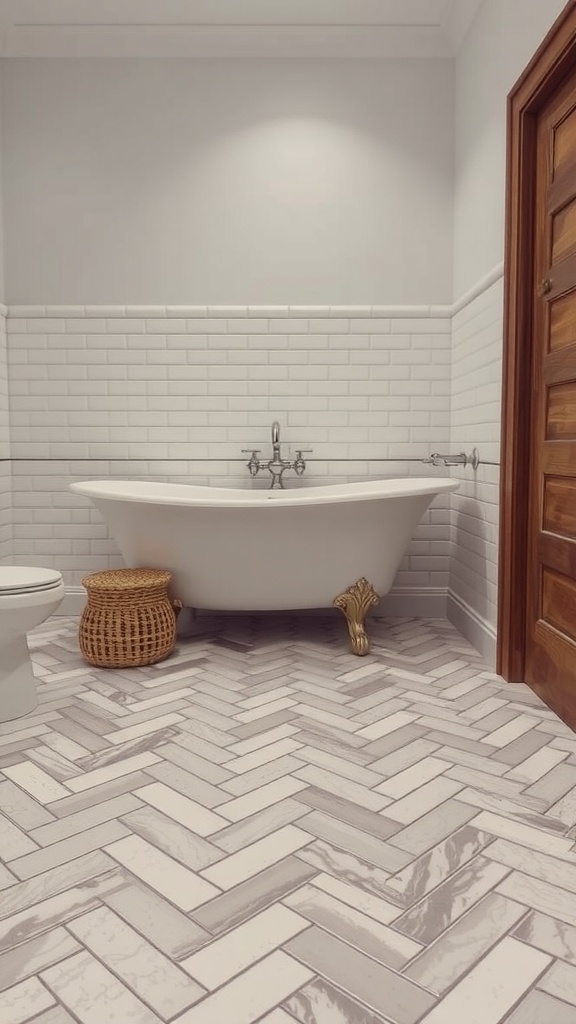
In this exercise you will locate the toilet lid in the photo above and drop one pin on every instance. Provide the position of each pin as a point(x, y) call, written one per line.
point(24, 578)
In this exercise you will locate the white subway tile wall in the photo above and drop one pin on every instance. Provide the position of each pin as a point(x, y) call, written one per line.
point(475, 422)
point(5, 475)
point(175, 393)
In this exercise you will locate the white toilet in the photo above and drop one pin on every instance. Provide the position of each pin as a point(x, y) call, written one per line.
point(27, 597)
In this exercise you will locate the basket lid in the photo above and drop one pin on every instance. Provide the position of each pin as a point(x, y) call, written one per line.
point(126, 579)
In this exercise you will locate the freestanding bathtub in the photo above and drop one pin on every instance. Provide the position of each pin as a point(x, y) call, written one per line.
point(257, 550)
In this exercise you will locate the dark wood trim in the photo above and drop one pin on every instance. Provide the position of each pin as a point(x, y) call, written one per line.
point(555, 58)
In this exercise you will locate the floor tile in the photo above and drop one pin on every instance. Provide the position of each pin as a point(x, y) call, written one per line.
point(266, 828)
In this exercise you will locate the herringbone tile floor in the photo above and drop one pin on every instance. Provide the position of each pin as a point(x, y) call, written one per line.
point(266, 828)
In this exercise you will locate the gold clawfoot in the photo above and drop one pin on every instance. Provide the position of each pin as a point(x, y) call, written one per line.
point(355, 603)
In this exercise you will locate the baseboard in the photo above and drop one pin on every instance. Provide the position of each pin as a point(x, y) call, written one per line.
point(404, 602)
point(476, 629)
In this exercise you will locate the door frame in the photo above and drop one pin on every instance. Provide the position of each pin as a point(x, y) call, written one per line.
point(551, 62)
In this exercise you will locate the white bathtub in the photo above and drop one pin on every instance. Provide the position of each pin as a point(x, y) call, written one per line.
point(258, 550)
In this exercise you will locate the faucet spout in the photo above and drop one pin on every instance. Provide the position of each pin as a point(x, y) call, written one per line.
point(275, 432)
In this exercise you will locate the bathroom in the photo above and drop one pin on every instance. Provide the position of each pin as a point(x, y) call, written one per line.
point(218, 216)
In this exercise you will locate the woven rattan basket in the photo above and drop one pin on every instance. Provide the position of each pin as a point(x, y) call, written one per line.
point(129, 619)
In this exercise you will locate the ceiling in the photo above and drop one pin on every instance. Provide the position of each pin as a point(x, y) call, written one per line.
point(234, 28)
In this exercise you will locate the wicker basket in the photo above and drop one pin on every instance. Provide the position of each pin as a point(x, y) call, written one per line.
point(129, 619)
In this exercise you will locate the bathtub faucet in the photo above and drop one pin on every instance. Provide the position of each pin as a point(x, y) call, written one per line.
point(276, 466)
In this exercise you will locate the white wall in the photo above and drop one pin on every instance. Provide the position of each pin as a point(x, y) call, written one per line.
point(501, 41)
point(245, 182)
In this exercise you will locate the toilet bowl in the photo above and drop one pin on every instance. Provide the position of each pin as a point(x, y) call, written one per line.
point(28, 596)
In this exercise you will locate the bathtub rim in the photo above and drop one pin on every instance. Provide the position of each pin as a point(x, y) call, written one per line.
point(150, 492)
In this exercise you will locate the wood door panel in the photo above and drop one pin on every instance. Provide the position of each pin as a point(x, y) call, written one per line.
point(561, 413)
point(555, 553)
point(559, 512)
point(560, 366)
point(550, 645)
point(562, 321)
point(559, 602)
point(564, 232)
point(564, 142)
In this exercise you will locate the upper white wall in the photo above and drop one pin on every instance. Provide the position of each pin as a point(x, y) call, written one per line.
point(503, 38)
point(182, 181)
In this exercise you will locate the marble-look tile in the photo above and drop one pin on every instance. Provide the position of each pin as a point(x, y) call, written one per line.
point(376, 940)
point(172, 838)
point(404, 757)
point(250, 995)
point(565, 809)
point(352, 840)
point(247, 745)
point(88, 990)
point(346, 810)
point(13, 842)
point(195, 765)
point(381, 989)
point(412, 778)
point(36, 782)
point(258, 777)
point(57, 1015)
point(83, 869)
point(493, 785)
point(358, 898)
point(68, 849)
point(25, 1000)
point(537, 765)
point(142, 968)
point(113, 771)
point(492, 987)
point(167, 928)
point(249, 897)
point(471, 760)
point(258, 825)
point(542, 896)
point(186, 784)
point(179, 885)
point(322, 1003)
point(538, 1007)
point(257, 758)
point(456, 952)
point(526, 835)
point(56, 910)
point(522, 812)
point(98, 794)
point(560, 981)
point(57, 766)
point(386, 725)
point(530, 862)
point(259, 855)
point(424, 874)
point(243, 946)
point(21, 808)
point(263, 797)
point(549, 934)
point(278, 1016)
point(555, 784)
point(82, 820)
point(188, 813)
point(30, 957)
point(429, 918)
point(423, 800)
point(323, 779)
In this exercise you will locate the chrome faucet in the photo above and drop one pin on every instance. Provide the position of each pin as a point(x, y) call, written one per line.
point(276, 466)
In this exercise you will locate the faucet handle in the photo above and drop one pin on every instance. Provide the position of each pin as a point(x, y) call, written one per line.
point(251, 451)
point(303, 451)
point(299, 463)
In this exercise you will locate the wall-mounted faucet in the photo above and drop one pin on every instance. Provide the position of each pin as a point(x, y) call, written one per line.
point(276, 466)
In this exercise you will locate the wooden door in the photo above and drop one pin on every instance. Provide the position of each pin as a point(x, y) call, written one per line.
point(550, 654)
